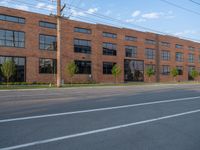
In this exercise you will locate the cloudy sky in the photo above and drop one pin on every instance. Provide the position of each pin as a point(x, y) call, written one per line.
point(177, 17)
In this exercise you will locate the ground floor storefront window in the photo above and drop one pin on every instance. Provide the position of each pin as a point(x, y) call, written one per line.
point(20, 63)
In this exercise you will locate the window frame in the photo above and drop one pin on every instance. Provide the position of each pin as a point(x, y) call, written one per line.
point(13, 40)
point(109, 35)
point(108, 72)
point(133, 51)
point(84, 73)
point(107, 51)
point(128, 38)
point(46, 22)
point(165, 55)
point(18, 18)
point(84, 51)
point(78, 30)
point(150, 56)
point(54, 46)
point(54, 67)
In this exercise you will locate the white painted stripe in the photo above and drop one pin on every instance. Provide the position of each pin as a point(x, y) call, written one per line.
point(98, 109)
point(97, 131)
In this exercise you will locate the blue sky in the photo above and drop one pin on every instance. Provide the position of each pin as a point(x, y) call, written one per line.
point(153, 14)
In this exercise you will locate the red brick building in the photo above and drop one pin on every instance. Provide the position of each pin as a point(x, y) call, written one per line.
point(30, 40)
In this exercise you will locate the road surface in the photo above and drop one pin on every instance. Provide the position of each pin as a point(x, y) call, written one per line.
point(151, 117)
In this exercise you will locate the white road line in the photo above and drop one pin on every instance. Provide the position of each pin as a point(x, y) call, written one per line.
point(98, 131)
point(98, 109)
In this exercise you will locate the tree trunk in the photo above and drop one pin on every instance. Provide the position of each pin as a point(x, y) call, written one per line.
point(7, 80)
point(174, 79)
point(149, 79)
point(71, 81)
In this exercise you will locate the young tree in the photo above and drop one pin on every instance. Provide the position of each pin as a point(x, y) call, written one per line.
point(116, 71)
point(174, 73)
point(194, 74)
point(8, 69)
point(149, 72)
point(72, 69)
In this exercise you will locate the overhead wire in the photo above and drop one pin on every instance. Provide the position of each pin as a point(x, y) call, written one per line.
point(194, 2)
point(181, 7)
point(111, 19)
point(132, 24)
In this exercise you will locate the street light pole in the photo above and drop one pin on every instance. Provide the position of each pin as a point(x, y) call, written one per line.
point(59, 73)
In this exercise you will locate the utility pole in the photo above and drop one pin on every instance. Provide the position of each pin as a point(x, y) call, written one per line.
point(59, 54)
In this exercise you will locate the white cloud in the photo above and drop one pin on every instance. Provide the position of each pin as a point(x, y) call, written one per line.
point(138, 16)
point(45, 6)
point(136, 13)
point(135, 20)
point(186, 32)
point(22, 7)
point(130, 20)
point(140, 20)
point(153, 15)
point(75, 12)
point(92, 10)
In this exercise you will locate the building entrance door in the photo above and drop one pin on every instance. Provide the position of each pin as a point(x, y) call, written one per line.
point(133, 70)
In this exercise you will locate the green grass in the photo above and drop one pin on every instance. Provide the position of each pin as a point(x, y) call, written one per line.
point(46, 86)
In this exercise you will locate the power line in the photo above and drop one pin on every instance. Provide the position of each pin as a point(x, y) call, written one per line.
point(33, 6)
point(181, 7)
point(108, 18)
point(125, 23)
point(194, 2)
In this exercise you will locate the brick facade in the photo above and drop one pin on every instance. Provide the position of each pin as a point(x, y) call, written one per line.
point(33, 53)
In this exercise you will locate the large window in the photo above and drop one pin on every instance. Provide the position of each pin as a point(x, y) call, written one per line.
point(47, 25)
point(149, 41)
point(82, 30)
point(131, 51)
point(82, 46)
point(191, 58)
point(150, 53)
point(165, 55)
point(107, 67)
point(110, 35)
point(12, 18)
point(84, 67)
point(47, 66)
point(180, 70)
point(109, 49)
point(48, 42)
point(165, 70)
point(179, 46)
point(179, 57)
point(9, 38)
point(20, 64)
point(130, 38)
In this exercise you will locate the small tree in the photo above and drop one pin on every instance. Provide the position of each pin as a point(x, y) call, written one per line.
point(116, 71)
point(149, 72)
point(194, 74)
point(174, 73)
point(8, 69)
point(71, 69)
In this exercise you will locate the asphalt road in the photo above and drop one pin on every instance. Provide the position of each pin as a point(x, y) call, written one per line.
point(158, 117)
